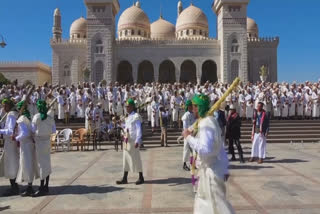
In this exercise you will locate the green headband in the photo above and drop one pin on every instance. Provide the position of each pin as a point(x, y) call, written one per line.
point(203, 103)
point(25, 110)
point(42, 108)
point(188, 103)
point(8, 101)
point(131, 102)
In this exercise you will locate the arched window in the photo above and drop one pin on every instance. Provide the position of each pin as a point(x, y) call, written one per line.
point(187, 33)
point(132, 32)
point(235, 46)
point(66, 71)
point(99, 47)
point(200, 32)
point(139, 32)
point(125, 32)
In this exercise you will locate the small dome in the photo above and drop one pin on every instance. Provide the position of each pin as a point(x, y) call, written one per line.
point(134, 19)
point(252, 28)
point(192, 18)
point(78, 29)
point(162, 29)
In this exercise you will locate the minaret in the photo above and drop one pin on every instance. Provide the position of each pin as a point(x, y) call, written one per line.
point(57, 30)
point(180, 7)
point(138, 4)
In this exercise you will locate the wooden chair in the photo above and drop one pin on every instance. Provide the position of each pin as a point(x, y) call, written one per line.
point(53, 141)
point(79, 137)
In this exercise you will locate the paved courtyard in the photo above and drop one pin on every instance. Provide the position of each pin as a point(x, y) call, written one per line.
point(84, 182)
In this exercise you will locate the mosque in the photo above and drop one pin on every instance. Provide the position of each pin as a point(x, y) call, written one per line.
point(141, 51)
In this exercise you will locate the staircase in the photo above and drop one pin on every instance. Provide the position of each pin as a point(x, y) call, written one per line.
point(281, 131)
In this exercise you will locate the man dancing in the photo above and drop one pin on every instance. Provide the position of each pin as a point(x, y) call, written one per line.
point(131, 152)
point(187, 120)
point(43, 126)
point(10, 159)
point(211, 194)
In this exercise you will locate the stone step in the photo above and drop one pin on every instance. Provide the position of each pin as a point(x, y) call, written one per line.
point(248, 141)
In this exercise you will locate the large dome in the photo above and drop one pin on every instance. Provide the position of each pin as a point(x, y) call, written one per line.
point(192, 22)
point(78, 29)
point(252, 28)
point(162, 29)
point(133, 22)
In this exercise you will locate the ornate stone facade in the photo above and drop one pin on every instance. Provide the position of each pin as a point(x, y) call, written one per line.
point(159, 51)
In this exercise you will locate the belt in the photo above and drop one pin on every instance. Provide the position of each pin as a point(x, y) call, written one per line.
point(257, 130)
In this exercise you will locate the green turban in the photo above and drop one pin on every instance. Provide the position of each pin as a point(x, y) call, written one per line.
point(42, 108)
point(203, 103)
point(8, 101)
point(188, 103)
point(25, 110)
point(131, 102)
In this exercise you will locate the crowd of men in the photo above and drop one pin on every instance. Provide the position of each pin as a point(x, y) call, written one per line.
point(177, 105)
point(283, 101)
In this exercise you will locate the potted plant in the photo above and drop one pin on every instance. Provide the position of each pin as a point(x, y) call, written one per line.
point(263, 73)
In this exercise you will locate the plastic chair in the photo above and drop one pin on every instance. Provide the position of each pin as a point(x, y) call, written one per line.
point(64, 138)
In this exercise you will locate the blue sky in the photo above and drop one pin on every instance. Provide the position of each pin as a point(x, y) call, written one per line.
point(27, 25)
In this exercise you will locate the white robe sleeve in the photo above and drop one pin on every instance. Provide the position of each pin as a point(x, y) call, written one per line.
point(23, 131)
point(204, 146)
point(11, 125)
point(225, 161)
point(139, 131)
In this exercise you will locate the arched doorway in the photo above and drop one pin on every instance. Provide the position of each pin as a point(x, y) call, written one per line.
point(188, 72)
point(145, 72)
point(124, 73)
point(98, 72)
point(167, 72)
point(234, 70)
point(209, 72)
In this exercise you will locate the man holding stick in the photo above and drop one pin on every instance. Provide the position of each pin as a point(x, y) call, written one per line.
point(211, 193)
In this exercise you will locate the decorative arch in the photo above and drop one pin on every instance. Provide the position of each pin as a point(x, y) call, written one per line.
point(188, 72)
point(209, 72)
point(98, 71)
point(167, 72)
point(124, 73)
point(234, 70)
point(145, 72)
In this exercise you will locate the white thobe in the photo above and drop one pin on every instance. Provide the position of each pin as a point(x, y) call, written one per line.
point(131, 155)
point(10, 157)
point(187, 120)
point(28, 165)
point(211, 194)
point(42, 130)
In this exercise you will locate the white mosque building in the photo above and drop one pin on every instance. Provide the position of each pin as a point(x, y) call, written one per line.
point(161, 51)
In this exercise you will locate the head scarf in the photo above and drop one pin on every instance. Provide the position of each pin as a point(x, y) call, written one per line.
point(131, 102)
point(203, 103)
point(25, 110)
point(8, 101)
point(188, 103)
point(42, 108)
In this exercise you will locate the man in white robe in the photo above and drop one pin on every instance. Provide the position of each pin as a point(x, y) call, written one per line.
point(131, 152)
point(187, 120)
point(27, 167)
point(260, 130)
point(211, 193)
point(10, 157)
point(43, 125)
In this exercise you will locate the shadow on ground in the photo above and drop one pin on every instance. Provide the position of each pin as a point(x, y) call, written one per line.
point(286, 161)
point(170, 181)
point(250, 167)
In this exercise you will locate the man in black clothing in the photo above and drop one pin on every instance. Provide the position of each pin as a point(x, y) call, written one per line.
point(234, 133)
